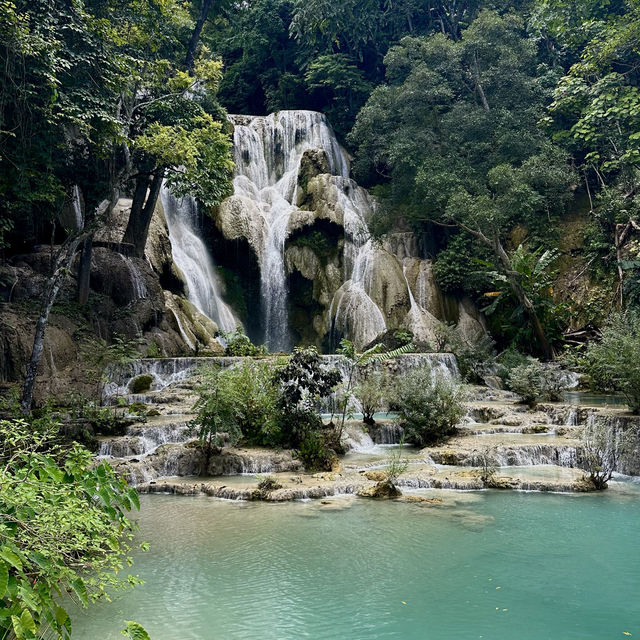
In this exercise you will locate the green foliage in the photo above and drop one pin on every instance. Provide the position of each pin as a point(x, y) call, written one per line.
point(457, 269)
point(315, 452)
point(216, 422)
point(372, 391)
point(613, 362)
point(535, 381)
point(430, 405)
point(238, 344)
point(510, 359)
point(269, 483)
point(255, 393)
point(141, 384)
point(535, 273)
point(338, 76)
point(403, 337)
point(397, 463)
point(356, 362)
point(64, 530)
point(302, 382)
point(238, 403)
point(134, 631)
point(153, 351)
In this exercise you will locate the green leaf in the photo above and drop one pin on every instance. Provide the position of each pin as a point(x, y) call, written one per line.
point(10, 557)
point(27, 622)
point(134, 631)
point(4, 579)
point(80, 590)
point(133, 495)
point(61, 615)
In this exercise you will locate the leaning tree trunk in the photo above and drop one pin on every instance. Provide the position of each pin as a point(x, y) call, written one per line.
point(195, 35)
point(142, 212)
point(61, 267)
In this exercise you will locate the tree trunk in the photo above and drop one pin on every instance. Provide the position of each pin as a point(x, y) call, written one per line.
point(61, 266)
point(142, 212)
point(195, 36)
point(84, 271)
point(475, 75)
point(139, 195)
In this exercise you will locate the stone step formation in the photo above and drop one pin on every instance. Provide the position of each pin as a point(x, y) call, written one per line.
point(523, 449)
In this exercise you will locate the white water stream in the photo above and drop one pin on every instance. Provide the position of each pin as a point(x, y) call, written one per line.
point(268, 151)
point(193, 259)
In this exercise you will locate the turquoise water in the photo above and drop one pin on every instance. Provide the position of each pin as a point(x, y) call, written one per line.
point(586, 398)
point(493, 565)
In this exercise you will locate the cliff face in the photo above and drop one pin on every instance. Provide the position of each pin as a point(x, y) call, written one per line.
point(142, 301)
point(289, 256)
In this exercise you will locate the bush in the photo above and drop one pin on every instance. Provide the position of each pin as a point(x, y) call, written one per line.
point(315, 453)
point(140, 384)
point(64, 529)
point(535, 381)
point(302, 383)
point(614, 362)
point(238, 344)
point(372, 393)
point(430, 405)
point(509, 360)
point(255, 410)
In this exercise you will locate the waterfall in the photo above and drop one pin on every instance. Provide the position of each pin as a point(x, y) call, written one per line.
point(268, 151)
point(138, 284)
point(77, 207)
point(352, 310)
point(194, 261)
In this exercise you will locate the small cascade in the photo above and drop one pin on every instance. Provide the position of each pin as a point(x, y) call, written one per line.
point(194, 261)
point(387, 433)
point(572, 418)
point(77, 207)
point(268, 151)
point(540, 454)
point(138, 284)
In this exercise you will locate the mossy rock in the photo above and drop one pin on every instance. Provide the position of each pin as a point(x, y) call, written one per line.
point(449, 458)
point(382, 490)
point(536, 428)
point(141, 384)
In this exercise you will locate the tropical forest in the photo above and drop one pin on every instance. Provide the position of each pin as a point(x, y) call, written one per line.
point(319, 319)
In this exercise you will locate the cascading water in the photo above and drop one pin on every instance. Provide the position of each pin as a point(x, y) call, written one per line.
point(194, 261)
point(267, 152)
point(137, 280)
point(353, 312)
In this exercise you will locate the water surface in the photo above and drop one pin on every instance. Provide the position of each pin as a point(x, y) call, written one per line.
point(493, 565)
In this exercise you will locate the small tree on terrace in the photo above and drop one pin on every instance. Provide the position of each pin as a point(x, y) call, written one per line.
point(603, 445)
point(356, 362)
point(614, 362)
point(302, 382)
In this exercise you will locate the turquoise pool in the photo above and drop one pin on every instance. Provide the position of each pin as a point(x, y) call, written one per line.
point(492, 565)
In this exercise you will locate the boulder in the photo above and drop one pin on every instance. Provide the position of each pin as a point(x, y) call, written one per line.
point(384, 490)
